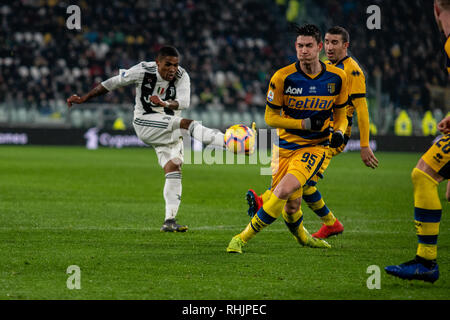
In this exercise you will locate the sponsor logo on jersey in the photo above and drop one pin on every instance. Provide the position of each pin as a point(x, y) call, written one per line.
point(308, 103)
point(291, 90)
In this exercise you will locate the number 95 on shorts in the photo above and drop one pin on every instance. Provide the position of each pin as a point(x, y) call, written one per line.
point(302, 163)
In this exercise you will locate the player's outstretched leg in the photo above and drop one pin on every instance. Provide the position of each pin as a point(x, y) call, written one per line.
point(195, 129)
point(207, 136)
point(330, 224)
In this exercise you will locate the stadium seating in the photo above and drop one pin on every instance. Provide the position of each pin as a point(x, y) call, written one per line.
point(228, 53)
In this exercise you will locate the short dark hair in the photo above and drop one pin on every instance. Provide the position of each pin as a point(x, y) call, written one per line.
point(309, 30)
point(444, 4)
point(341, 31)
point(167, 51)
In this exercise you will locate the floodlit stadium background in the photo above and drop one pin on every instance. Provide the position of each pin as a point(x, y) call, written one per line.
point(230, 49)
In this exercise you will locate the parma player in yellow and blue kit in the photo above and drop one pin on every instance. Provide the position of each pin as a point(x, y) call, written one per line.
point(298, 96)
point(357, 102)
point(432, 168)
point(337, 41)
point(336, 45)
point(308, 89)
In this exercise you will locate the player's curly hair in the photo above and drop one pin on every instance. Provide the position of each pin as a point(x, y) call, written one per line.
point(308, 30)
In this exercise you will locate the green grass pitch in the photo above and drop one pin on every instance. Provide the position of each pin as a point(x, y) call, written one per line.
point(101, 210)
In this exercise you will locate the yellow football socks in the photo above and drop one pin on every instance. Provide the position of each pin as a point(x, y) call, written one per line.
point(294, 222)
point(427, 213)
point(269, 212)
point(266, 195)
point(314, 200)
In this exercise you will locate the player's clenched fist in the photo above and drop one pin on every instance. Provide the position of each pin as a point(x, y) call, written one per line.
point(337, 139)
point(157, 101)
point(74, 99)
point(444, 125)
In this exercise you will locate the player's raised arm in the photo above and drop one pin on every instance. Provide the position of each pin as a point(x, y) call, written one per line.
point(124, 78)
point(97, 91)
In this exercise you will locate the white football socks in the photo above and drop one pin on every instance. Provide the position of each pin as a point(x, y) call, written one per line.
point(206, 135)
point(172, 193)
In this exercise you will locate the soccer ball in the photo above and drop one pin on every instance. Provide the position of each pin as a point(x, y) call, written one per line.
point(240, 139)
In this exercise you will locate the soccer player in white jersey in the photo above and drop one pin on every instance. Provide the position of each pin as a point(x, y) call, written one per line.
point(162, 91)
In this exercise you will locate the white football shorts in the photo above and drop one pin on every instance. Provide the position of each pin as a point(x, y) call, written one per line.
point(155, 129)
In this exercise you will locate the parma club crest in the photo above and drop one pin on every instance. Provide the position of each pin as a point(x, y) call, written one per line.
point(331, 88)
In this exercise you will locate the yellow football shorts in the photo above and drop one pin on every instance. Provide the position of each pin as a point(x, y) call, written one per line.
point(303, 163)
point(438, 156)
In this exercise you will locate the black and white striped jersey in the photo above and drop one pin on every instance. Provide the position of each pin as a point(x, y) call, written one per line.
point(148, 82)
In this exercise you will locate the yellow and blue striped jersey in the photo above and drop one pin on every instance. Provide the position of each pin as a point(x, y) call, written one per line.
point(355, 79)
point(298, 95)
point(356, 89)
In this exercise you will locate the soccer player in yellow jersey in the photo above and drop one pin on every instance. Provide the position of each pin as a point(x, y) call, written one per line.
point(307, 89)
point(432, 168)
point(336, 43)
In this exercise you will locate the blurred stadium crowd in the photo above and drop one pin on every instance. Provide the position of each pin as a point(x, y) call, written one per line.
point(408, 51)
point(229, 55)
point(230, 48)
